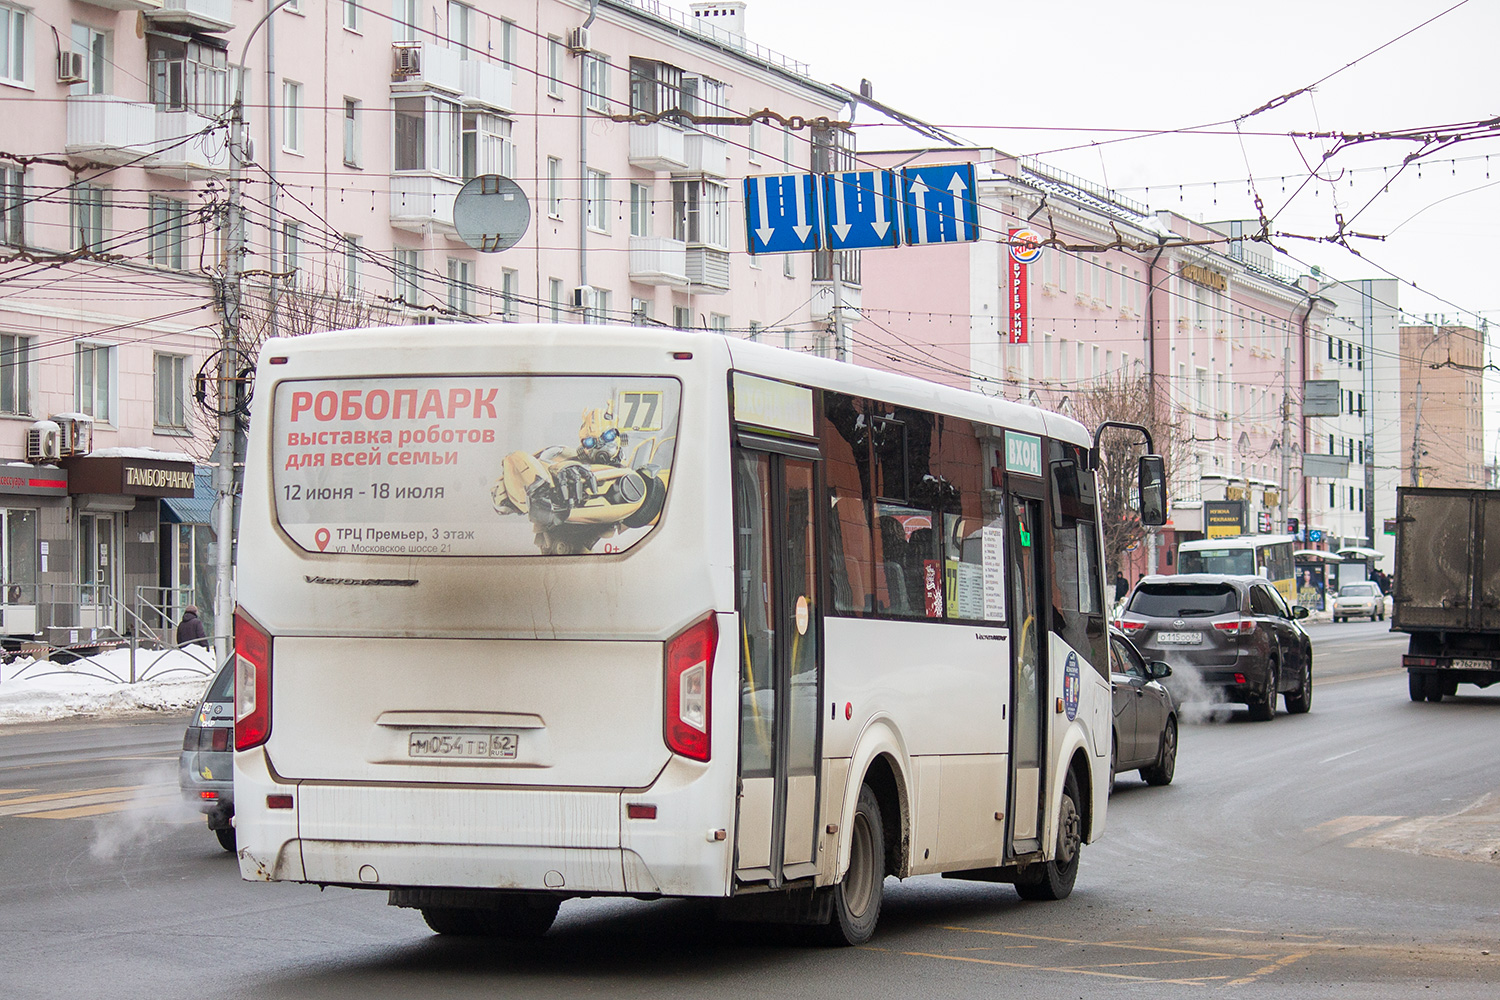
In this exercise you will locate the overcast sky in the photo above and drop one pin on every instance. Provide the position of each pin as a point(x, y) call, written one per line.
point(1038, 78)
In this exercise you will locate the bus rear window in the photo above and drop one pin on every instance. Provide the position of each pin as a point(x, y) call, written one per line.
point(1227, 562)
point(473, 465)
point(1184, 600)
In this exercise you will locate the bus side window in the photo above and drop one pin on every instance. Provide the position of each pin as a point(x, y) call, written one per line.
point(846, 475)
point(1077, 595)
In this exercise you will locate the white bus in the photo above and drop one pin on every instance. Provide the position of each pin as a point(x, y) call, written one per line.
point(1268, 556)
point(529, 613)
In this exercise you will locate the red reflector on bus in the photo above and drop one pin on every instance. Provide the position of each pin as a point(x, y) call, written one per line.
point(278, 802)
point(682, 355)
point(639, 810)
point(1239, 678)
point(208, 795)
point(278, 360)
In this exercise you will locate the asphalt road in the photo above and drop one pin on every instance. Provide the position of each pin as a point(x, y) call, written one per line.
point(1350, 852)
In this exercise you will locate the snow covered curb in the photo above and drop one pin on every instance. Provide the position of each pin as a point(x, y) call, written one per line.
point(100, 686)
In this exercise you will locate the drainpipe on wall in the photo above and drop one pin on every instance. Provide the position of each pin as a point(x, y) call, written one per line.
point(583, 156)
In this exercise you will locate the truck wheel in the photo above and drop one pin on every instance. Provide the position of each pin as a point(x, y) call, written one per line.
point(1434, 687)
point(1054, 879)
point(857, 897)
point(1416, 685)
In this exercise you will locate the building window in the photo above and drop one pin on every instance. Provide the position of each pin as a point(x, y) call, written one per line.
point(168, 221)
point(15, 374)
point(598, 308)
point(460, 283)
point(754, 141)
point(291, 116)
point(554, 187)
point(596, 78)
point(655, 87)
point(682, 318)
point(351, 265)
point(755, 329)
point(700, 212)
point(408, 20)
point(171, 392)
point(508, 42)
point(598, 200)
point(86, 225)
point(94, 365)
point(640, 209)
point(352, 140)
point(408, 276)
point(427, 133)
point(510, 295)
point(640, 311)
point(291, 251)
point(351, 14)
point(13, 206)
point(187, 75)
point(555, 298)
point(718, 323)
point(487, 145)
point(14, 44)
point(554, 66)
point(460, 27)
point(94, 46)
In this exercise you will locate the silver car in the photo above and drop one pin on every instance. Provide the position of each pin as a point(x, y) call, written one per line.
point(1145, 715)
point(205, 768)
point(1359, 600)
point(1229, 638)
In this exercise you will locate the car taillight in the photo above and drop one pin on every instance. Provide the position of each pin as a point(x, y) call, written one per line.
point(219, 740)
point(1240, 626)
point(689, 669)
point(1131, 626)
point(252, 683)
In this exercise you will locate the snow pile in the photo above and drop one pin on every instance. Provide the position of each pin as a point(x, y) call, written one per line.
point(100, 686)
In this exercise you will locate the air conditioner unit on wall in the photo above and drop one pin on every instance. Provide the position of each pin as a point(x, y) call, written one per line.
point(72, 67)
point(76, 433)
point(583, 297)
point(578, 40)
point(43, 442)
point(408, 62)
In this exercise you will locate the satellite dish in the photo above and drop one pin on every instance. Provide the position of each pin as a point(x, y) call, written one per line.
point(491, 213)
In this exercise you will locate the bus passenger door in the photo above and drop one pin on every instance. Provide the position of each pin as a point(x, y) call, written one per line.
point(1028, 676)
point(776, 560)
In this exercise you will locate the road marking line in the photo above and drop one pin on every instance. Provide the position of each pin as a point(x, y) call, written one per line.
point(1096, 944)
point(14, 791)
point(54, 796)
point(99, 809)
point(28, 805)
point(1276, 966)
point(1346, 753)
point(1191, 981)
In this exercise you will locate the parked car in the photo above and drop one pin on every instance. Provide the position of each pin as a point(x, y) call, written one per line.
point(1231, 638)
point(1145, 721)
point(1357, 600)
point(205, 768)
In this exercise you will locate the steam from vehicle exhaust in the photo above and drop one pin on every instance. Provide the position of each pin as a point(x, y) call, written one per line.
point(1197, 702)
point(154, 813)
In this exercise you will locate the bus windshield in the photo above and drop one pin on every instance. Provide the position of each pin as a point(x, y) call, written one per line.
point(1230, 562)
point(473, 466)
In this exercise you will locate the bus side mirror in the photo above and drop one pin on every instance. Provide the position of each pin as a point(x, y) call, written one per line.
point(1153, 490)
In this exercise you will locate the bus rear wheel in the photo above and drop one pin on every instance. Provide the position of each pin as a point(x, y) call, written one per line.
point(1054, 879)
point(857, 897)
point(524, 918)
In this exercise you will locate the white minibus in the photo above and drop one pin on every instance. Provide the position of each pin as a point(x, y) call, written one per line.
point(531, 613)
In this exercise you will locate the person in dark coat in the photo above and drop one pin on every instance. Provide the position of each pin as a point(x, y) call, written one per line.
point(1122, 586)
point(190, 629)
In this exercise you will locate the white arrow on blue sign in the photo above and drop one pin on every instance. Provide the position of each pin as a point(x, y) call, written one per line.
point(859, 210)
point(939, 203)
point(781, 213)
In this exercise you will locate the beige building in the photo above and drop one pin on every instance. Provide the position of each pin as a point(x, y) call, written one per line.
point(1442, 406)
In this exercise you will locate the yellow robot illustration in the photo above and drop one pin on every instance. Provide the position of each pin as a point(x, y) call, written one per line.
point(577, 496)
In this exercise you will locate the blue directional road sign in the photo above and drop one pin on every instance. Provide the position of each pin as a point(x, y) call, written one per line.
point(859, 210)
point(939, 204)
point(781, 213)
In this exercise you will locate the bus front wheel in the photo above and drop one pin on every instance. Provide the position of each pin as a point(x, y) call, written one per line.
point(857, 898)
point(1054, 879)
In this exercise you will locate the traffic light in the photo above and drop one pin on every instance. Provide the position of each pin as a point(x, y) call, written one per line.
point(1292, 524)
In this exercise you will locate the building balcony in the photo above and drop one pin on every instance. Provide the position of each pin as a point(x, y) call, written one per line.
point(657, 147)
point(417, 66)
point(705, 154)
point(655, 260)
point(193, 15)
point(144, 6)
point(422, 202)
point(206, 154)
point(707, 270)
point(110, 129)
point(486, 84)
point(821, 309)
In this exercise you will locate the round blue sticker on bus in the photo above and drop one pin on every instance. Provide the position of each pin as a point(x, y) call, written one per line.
point(1070, 686)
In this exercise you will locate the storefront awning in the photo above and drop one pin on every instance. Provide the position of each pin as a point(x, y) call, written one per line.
point(196, 509)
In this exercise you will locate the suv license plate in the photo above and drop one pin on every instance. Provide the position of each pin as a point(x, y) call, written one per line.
point(1180, 638)
point(1472, 665)
point(464, 746)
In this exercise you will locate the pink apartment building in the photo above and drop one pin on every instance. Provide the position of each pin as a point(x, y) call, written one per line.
point(364, 122)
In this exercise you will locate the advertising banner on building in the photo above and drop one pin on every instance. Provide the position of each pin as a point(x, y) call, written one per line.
point(1223, 518)
point(1025, 250)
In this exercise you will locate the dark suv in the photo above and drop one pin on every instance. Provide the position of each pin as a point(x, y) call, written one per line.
point(205, 769)
point(1230, 638)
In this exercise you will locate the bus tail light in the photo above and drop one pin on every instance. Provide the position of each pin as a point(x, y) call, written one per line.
point(690, 667)
point(252, 683)
point(1239, 626)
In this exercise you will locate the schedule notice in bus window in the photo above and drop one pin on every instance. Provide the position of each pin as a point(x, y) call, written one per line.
point(473, 465)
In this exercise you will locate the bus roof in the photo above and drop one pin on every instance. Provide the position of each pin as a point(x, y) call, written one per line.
point(1236, 542)
point(762, 359)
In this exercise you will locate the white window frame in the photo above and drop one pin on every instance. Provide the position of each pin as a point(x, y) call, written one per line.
point(596, 67)
point(291, 117)
point(351, 15)
point(598, 308)
point(97, 49)
point(598, 200)
point(16, 374)
point(170, 385)
point(291, 252)
point(440, 135)
point(352, 282)
point(408, 276)
point(459, 27)
point(554, 187)
point(640, 209)
point(90, 355)
point(510, 292)
point(167, 235)
point(508, 42)
point(486, 145)
point(88, 216)
point(461, 286)
point(406, 20)
point(15, 45)
point(554, 66)
point(555, 298)
point(353, 132)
